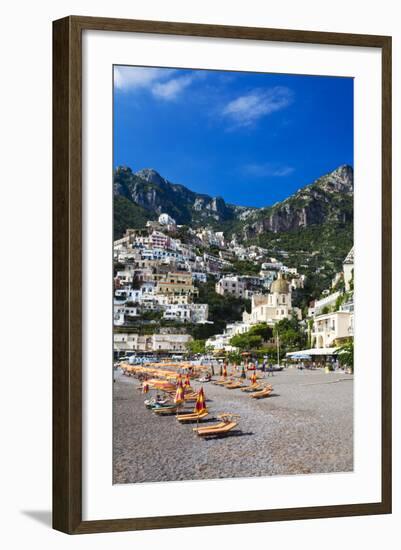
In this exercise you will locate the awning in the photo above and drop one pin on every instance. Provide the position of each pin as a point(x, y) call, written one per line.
point(311, 352)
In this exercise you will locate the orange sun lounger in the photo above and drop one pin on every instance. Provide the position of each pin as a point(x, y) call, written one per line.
point(234, 386)
point(215, 431)
point(191, 416)
point(210, 427)
point(252, 387)
point(261, 394)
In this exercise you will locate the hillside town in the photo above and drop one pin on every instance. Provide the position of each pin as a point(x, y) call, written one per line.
point(233, 275)
point(160, 275)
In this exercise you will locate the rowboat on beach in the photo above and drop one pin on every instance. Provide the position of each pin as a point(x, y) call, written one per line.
point(166, 410)
point(154, 402)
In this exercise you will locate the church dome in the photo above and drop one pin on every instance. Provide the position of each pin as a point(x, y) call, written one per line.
point(280, 285)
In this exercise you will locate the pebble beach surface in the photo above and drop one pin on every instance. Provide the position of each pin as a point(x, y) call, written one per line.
point(305, 426)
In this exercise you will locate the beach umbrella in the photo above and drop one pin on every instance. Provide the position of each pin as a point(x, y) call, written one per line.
point(200, 404)
point(179, 395)
point(187, 380)
point(145, 388)
point(253, 378)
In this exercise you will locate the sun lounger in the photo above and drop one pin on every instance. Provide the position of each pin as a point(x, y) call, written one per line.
point(257, 387)
point(252, 387)
point(234, 386)
point(210, 426)
point(228, 426)
point(192, 417)
point(228, 382)
point(190, 396)
point(261, 394)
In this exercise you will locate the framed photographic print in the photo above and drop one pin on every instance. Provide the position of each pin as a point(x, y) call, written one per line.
point(222, 275)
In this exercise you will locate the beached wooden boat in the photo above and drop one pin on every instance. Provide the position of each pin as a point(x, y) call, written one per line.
point(150, 403)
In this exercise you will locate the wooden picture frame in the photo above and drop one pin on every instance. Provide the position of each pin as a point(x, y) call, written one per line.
point(67, 274)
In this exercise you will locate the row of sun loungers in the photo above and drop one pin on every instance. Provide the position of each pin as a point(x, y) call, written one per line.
point(257, 390)
point(228, 422)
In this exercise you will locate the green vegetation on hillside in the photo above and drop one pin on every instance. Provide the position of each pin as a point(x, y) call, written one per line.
point(244, 267)
point(317, 251)
point(222, 309)
point(127, 214)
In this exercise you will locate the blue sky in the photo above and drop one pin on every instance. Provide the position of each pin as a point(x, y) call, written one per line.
point(251, 138)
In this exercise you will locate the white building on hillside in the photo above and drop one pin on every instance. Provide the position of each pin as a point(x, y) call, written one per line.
point(164, 342)
point(348, 268)
point(199, 276)
point(231, 285)
point(165, 219)
point(186, 313)
point(220, 342)
point(326, 302)
point(331, 329)
point(273, 307)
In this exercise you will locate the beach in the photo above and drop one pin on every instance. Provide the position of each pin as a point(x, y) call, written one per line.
point(304, 426)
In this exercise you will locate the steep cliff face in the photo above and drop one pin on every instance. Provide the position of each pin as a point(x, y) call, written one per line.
point(151, 191)
point(328, 199)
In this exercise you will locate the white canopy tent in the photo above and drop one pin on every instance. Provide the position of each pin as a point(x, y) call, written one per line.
point(311, 352)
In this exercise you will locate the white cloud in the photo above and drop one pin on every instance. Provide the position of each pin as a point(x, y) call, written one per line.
point(170, 89)
point(267, 169)
point(131, 78)
point(161, 83)
point(247, 109)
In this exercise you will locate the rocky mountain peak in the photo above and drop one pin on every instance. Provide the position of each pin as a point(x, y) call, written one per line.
point(328, 199)
point(341, 180)
point(150, 175)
